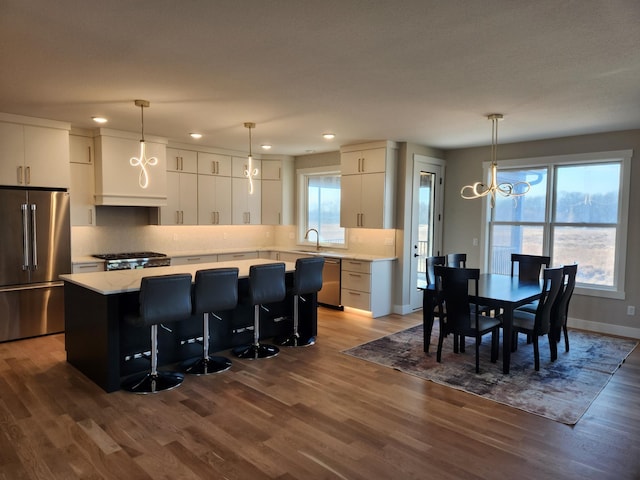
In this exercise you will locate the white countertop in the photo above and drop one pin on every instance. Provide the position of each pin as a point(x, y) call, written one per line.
point(121, 281)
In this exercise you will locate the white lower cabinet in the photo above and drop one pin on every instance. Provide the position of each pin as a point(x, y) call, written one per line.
point(211, 258)
point(367, 285)
point(86, 267)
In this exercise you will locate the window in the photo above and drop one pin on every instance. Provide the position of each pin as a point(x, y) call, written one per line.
point(319, 192)
point(576, 211)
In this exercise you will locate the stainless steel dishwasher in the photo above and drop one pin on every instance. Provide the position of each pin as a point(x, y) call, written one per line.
point(329, 295)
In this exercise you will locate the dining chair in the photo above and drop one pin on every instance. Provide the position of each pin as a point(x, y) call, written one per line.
point(458, 260)
point(463, 318)
point(560, 310)
point(528, 266)
point(537, 324)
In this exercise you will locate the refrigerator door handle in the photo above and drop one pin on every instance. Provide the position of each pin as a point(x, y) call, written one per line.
point(25, 236)
point(34, 241)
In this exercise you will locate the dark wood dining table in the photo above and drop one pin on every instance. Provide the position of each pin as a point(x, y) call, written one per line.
point(503, 293)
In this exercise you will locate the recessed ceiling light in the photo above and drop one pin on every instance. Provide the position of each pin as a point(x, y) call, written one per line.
point(266, 146)
point(328, 136)
point(99, 119)
point(195, 135)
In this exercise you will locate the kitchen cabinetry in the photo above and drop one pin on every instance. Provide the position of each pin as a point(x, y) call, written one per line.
point(367, 185)
point(182, 199)
point(246, 208)
point(277, 190)
point(214, 189)
point(86, 267)
point(227, 257)
point(182, 161)
point(367, 286)
point(194, 259)
point(33, 155)
point(118, 182)
point(82, 208)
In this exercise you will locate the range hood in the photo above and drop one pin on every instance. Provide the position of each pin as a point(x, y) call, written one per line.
point(117, 181)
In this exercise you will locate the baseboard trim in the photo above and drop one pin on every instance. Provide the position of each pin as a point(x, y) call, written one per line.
point(607, 328)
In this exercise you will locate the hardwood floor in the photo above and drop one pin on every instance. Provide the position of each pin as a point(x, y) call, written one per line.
point(310, 413)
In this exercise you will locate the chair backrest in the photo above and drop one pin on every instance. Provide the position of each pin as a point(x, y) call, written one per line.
point(552, 283)
point(308, 276)
point(165, 298)
point(215, 290)
point(457, 260)
point(432, 262)
point(266, 283)
point(561, 307)
point(529, 266)
point(453, 285)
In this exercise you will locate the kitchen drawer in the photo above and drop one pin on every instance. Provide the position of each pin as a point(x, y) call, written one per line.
point(356, 266)
point(88, 267)
point(194, 259)
point(228, 257)
point(355, 299)
point(356, 281)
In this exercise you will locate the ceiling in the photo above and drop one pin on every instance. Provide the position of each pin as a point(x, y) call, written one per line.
point(420, 71)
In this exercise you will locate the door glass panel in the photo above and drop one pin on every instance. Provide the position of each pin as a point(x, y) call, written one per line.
point(425, 223)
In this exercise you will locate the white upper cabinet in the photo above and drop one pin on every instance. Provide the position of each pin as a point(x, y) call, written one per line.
point(182, 200)
point(214, 164)
point(246, 207)
point(214, 200)
point(82, 185)
point(367, 185)
point(182, 161)
point(33, 155)
point(120, 181)
point(278, 178)
point(81, 149)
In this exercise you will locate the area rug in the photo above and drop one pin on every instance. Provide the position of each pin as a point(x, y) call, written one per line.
point(561, 390)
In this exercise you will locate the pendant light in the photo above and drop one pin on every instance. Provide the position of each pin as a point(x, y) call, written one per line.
point(480, 189)
point(250, 172)
point(142, 161)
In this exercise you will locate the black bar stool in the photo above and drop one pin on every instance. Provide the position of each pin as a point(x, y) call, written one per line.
point(215, 290)
point(306, 279)
point(163, 299)
point(266, 285)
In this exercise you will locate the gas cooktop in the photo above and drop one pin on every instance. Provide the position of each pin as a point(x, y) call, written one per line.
point(128, 255)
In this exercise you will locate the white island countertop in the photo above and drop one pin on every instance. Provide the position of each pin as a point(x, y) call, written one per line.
point(121, 281)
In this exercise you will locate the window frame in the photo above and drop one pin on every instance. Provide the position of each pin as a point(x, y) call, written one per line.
point(617, 291)
point(302, 175)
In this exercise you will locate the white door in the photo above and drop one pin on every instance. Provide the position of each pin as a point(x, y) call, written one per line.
point(426, 220)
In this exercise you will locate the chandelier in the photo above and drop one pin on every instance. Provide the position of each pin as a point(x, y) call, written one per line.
point(142, 161)
point(250, 172)
point(480, 189)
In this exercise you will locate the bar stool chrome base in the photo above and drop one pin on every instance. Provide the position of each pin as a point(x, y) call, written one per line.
point(153, 383)
point(206, 366)
point(255, 351)
point(295, 340)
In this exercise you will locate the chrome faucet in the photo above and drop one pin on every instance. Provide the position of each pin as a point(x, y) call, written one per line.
point(306, 237)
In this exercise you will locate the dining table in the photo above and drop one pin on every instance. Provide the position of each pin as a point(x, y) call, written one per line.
point(501, 293)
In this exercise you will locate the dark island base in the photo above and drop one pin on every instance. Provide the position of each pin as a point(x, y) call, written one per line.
point(98, 341)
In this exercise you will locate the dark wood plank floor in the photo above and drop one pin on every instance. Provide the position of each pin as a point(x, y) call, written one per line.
point(310, 413)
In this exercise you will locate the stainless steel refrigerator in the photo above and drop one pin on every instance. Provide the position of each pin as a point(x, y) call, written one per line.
point(35, 249)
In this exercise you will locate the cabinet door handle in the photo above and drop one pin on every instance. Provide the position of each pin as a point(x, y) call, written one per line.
point(89, 153)
point(19, 172)
point(177, 163)
point(27, 174)
point(181, 163)
point(90, 217)
point(362, 164)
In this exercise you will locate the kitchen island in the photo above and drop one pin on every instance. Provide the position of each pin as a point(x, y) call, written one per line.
point(103, 346)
